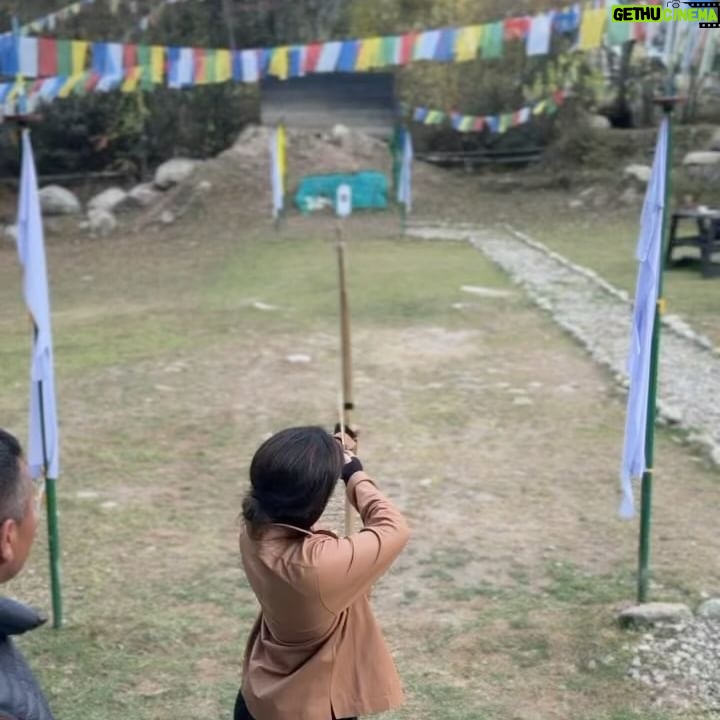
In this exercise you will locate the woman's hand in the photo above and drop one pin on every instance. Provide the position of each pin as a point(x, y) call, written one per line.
point(349, 440)
point(351, 466)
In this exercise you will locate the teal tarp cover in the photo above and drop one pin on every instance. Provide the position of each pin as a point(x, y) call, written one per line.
point(369, 190)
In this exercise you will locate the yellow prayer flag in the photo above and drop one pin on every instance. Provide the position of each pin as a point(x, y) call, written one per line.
point(466, 124)
point(70, 85)
point(132, 80)
point(467, 43)
point(157, 64)
point(369, 54)
point(78, 51)
point(282, 152)
point(592, 27)
point(17, 89)
point(279, 63)
point(539, 109)
point(223, 66)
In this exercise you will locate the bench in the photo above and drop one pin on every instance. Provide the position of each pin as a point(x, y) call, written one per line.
point(706, 237)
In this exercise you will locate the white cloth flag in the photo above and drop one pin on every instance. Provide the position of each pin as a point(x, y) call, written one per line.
point(538, 40)
point(31, 251)
point(28, 57)
point(278, 194)
point(649, 255)
point(329, 56)
point(250, 69)
point(405, 180)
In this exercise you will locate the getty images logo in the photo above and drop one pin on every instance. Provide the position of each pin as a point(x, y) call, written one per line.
point(707, 14)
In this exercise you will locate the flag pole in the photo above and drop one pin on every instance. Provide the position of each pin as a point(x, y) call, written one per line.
point(347, 404)
point(52, 522)
point(668, 104)
point(53, 525)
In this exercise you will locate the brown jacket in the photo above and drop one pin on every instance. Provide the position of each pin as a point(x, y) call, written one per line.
point(316, 648)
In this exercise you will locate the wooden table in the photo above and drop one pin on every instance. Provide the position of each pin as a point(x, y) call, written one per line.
point(706, 239)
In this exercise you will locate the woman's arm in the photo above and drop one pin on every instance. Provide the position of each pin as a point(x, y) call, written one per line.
point(348, 567)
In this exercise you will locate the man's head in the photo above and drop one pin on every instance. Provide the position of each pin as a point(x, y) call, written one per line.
point(18, 514)
point(292, 477)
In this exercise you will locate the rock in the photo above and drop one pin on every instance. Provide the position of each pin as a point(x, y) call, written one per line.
point(354, 143)
point(299, 359)
point(204, 186)
point(523, 401)
point(576, 204)
point(715, 142)
point(264, 307)
point(56, 200)
point(710, 609)
point(638, 173)
point(703, 165)
point(174, 172)
point(630, 196)
point(167, 218)
point(599, 122)
point(101, 222)
point(110, 200)
point(715, 456)
point(144, 195)
point(486, 292)
point(10, 233)
point(653, 613)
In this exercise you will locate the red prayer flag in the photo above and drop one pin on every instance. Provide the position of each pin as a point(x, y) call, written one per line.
point(517, 28)
point(130, 56)
point(407, 48)
point(199, 65)
point(47, 57)
point(312, 56)
point(479, 125)
point(92, 82)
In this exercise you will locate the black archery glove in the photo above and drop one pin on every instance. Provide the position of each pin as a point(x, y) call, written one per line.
point(350, 468)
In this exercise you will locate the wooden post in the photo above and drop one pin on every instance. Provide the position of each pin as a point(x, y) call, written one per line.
point(347, 405)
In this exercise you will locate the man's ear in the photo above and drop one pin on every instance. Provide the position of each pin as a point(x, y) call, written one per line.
point(8, 538)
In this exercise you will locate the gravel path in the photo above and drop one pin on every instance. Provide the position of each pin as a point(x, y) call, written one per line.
point(598, 315)
point(679, 663)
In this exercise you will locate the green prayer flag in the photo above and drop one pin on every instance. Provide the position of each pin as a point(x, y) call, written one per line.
point(64, 58)
point(492, 41)
point(617, 32)
point(145, 63)
point(211, 66)
point(387, 51)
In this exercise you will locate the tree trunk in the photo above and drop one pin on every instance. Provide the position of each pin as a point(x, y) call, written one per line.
point(228, 15)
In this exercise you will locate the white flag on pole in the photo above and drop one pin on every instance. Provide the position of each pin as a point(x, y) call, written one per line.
point(31, 251)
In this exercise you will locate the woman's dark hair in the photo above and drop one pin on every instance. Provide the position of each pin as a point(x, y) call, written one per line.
point(12, 494)
point(292, 477)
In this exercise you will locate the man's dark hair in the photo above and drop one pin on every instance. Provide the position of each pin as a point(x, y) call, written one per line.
point(12, 500)
point(292, 477)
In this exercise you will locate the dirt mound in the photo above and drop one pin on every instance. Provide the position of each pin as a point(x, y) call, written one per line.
point(242, 172)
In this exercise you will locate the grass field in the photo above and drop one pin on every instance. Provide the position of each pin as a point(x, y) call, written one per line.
point(496, 435)
point(601, 238)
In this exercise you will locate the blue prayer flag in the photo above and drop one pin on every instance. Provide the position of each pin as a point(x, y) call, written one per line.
point(347, 61)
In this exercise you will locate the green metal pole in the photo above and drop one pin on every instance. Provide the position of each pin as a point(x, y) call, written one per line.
point(54, 545)
point(52, 522)
point(647, 480)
